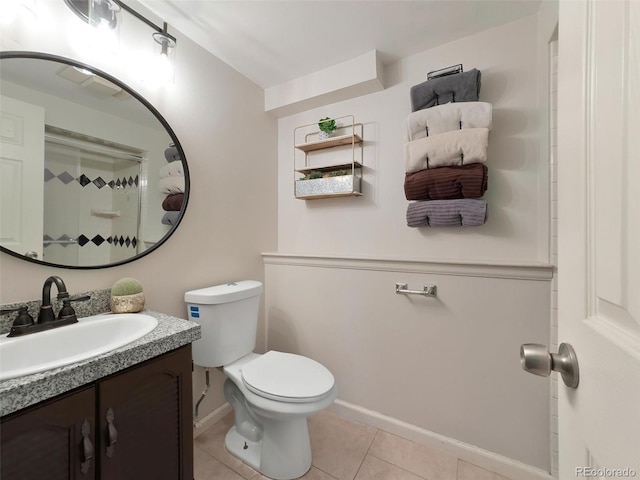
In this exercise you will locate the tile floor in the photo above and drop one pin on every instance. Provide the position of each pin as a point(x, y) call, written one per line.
point(342, 450)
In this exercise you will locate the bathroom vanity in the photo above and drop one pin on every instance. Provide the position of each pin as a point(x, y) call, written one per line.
point(123, 415)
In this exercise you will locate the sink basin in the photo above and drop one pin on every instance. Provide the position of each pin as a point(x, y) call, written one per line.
point(90, 337)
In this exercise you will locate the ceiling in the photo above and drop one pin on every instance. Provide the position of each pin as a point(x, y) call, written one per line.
point(274, 41)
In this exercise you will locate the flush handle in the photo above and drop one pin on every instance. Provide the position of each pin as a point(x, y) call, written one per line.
point(536, 359)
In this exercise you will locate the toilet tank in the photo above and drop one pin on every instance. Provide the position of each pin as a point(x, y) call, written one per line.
point(228, 316)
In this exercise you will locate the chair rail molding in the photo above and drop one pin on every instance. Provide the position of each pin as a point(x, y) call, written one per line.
point(516, 270)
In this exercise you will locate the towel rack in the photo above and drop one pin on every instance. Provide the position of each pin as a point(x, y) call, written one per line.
point(70, 241)
point(427, 290)
point(443, 72)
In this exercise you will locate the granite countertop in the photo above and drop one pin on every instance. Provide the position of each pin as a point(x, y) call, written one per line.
point(171, 333)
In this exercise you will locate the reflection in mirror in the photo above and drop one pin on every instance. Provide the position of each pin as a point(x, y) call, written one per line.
point(90, 174)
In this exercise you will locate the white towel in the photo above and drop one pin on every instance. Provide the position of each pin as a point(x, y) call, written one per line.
point(171, 185)
point(448, 117)
point(460, 147)
point(173, 169)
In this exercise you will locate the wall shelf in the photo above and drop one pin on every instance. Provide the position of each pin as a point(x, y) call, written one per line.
point(329, 168)
point(328, 195)
point(329, 143)
point(328, 186)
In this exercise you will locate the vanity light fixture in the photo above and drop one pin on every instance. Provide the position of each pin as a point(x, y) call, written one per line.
point(104, 15)
point(161, 67)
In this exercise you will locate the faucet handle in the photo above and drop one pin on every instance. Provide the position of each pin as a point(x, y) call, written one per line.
point(7, 311)
point(21, 322)
point(23, 317)
point(82, 298)
point(67, 312)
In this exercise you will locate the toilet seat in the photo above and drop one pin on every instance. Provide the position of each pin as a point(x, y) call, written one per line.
point(287, 377)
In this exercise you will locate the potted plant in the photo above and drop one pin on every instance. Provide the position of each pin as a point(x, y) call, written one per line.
point(127, 296)
point(327, 126)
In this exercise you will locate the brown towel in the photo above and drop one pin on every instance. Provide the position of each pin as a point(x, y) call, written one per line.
point(173, 202)
point(446, 183)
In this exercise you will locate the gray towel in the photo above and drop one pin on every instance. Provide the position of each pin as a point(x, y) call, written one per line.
point(461, 87)
point(170, 218)
point(447, 213)
point(172, 154)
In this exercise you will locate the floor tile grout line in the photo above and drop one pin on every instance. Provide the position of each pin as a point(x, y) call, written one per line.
point(366, 453)
point(220, 458)
point(217, 460)
point(399, 467)
point(373, 439)
point(320, 470)
point(205, 452)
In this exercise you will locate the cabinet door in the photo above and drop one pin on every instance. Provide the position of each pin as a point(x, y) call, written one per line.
point(145, 421)
point(54, 441)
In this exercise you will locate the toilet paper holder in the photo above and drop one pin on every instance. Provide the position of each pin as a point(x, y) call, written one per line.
point(427, 290)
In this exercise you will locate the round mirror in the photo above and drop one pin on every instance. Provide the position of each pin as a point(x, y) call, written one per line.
point(91, 175)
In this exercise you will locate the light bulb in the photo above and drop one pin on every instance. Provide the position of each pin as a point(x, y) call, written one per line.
point(162, 66)
point(165, 69)
point(103, 16)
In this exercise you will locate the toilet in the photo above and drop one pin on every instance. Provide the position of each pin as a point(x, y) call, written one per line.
point(272, 394)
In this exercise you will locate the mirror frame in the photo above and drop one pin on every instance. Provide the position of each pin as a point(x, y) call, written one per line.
point(159, 117)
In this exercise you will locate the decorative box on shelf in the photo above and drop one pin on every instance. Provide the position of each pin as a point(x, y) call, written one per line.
point(341, 186)
point(335, 180)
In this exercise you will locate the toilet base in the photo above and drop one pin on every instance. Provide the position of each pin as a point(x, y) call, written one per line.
point(284, 454)
point(245, 450)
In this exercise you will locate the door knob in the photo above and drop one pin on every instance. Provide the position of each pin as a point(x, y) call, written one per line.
point(536, 359)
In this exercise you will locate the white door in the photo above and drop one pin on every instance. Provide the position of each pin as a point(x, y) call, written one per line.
point(21, 176)
point(599, 236)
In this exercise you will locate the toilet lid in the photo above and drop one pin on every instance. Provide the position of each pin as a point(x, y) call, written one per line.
point(287, 377)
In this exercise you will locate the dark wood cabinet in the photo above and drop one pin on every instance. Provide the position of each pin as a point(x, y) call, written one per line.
point(132, 425)
point(147, 411)
point(47, 442)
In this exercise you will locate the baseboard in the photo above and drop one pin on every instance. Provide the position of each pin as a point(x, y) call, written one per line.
point(208, 420)
point(482, 458)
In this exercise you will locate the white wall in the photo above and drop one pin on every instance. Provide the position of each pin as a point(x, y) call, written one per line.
point(448, 365)
point(375, 224)
point(218, 116)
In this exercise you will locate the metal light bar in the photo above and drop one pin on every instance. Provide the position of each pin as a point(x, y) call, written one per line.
point(141, 17)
